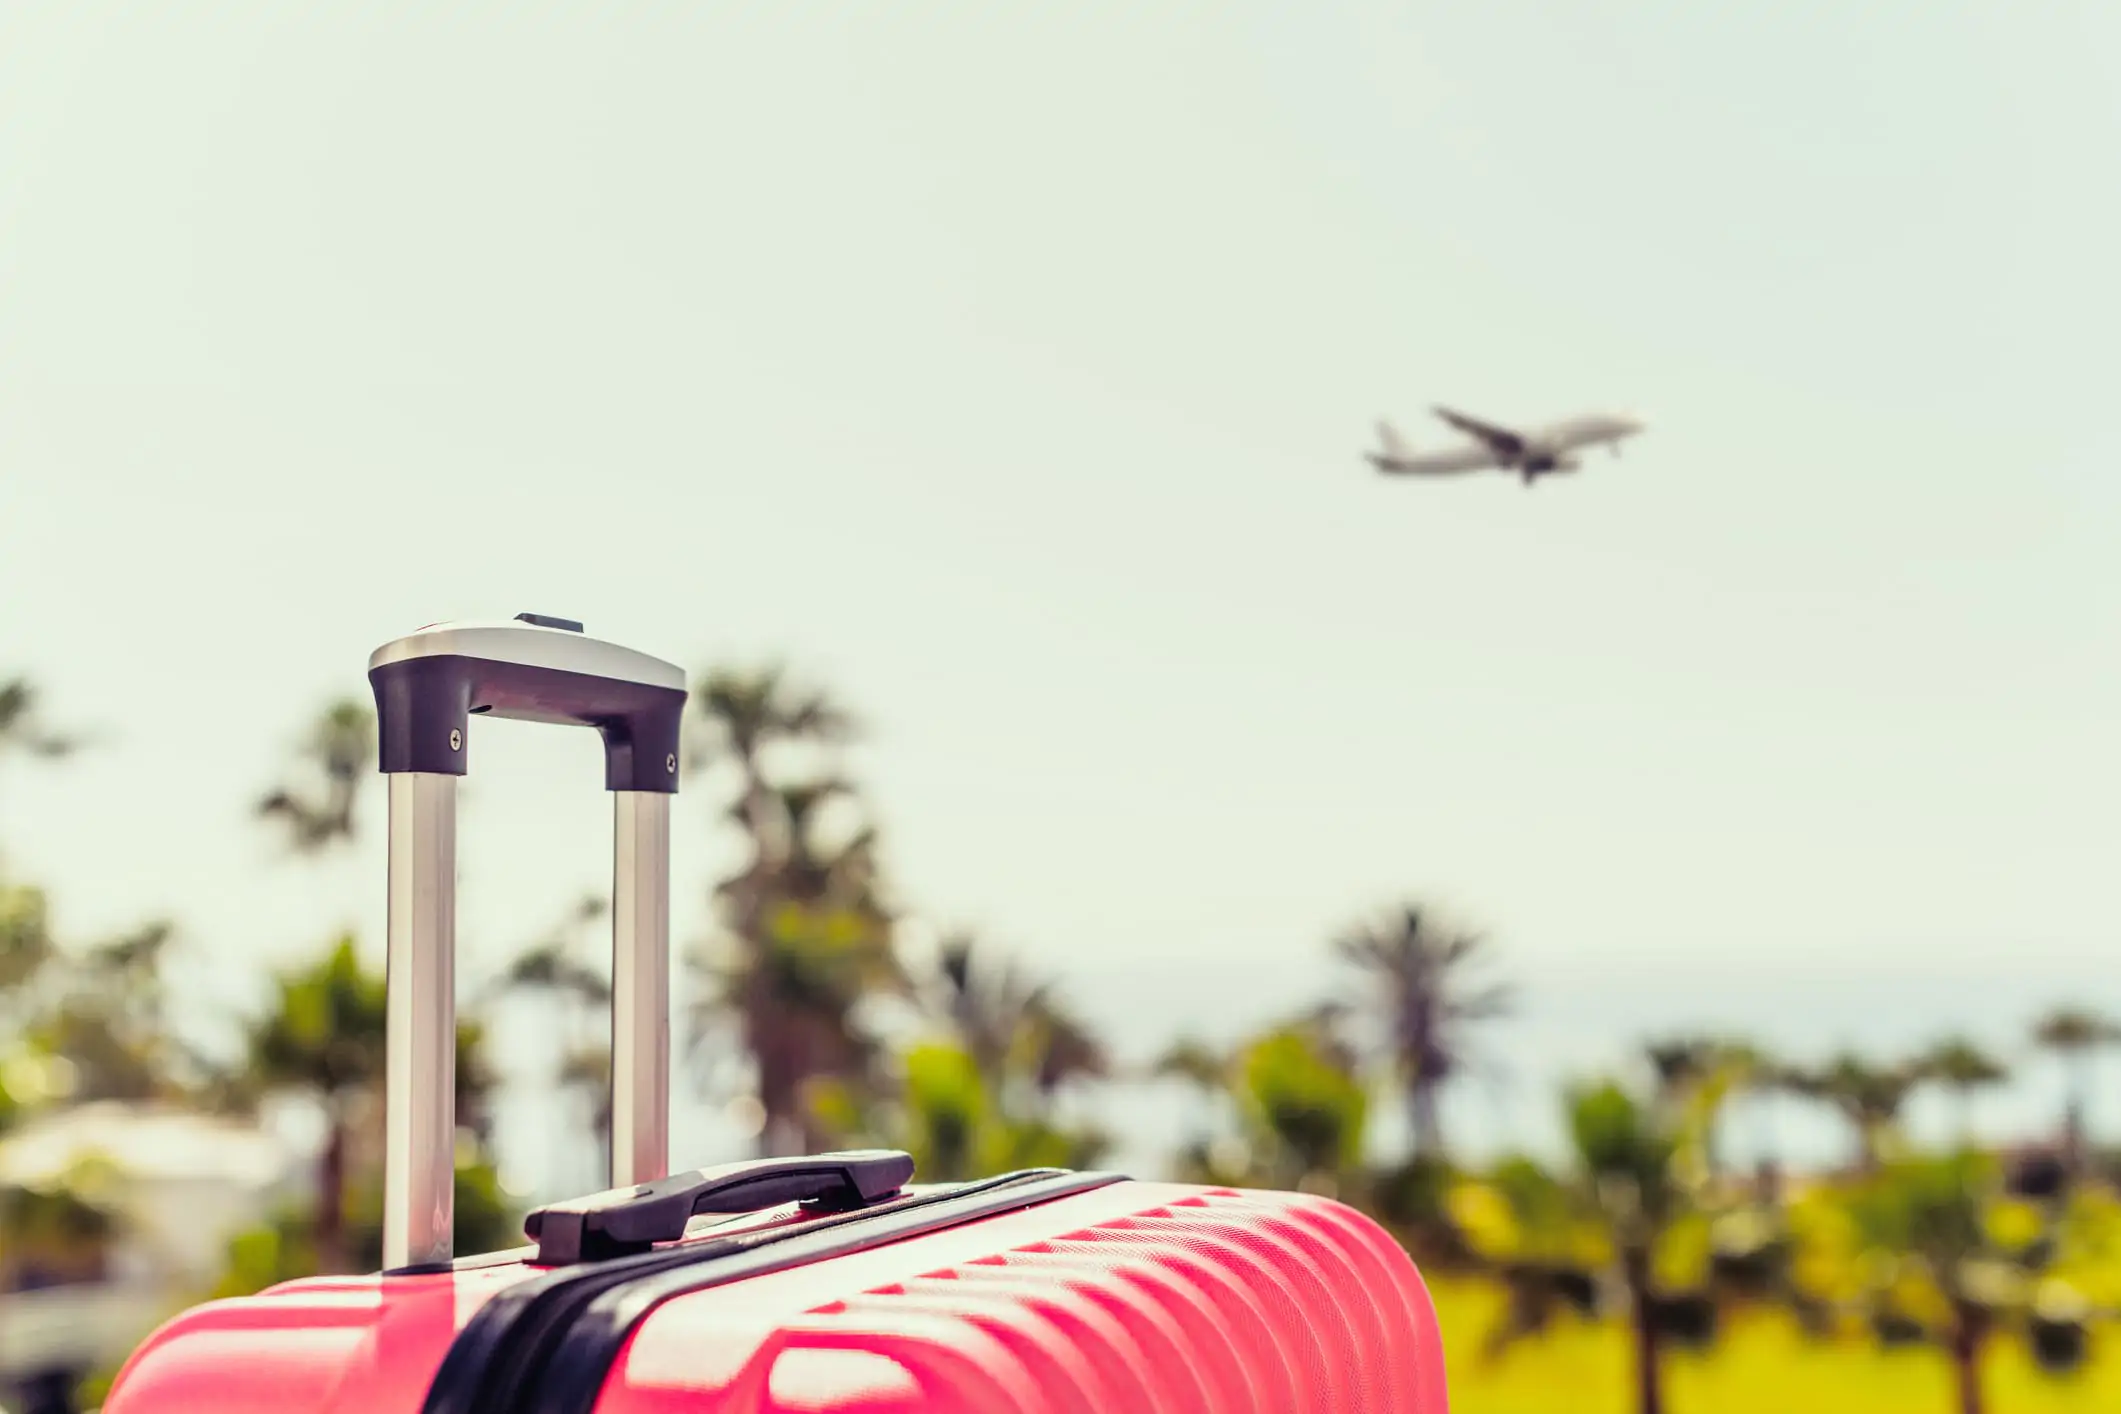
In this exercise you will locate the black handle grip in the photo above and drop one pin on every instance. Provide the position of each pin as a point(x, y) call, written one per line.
point(620, 1221)
point(537, 668)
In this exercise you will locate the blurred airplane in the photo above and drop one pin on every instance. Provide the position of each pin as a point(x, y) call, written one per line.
point(1533, 454)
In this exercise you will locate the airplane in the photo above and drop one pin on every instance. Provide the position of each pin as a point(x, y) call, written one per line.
point(1539, 452)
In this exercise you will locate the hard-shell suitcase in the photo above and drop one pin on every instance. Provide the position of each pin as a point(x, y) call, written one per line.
point(826, 1283)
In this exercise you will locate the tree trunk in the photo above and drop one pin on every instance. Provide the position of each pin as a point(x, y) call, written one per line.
point(1866, 1148)
point(2073, 1147)
point(1966, 1363)
point(1649, 1387)
point(330, 1226)
point(1421, 1112)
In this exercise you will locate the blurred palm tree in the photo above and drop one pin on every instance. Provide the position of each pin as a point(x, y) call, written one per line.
point(563, 967)
point(1417, 990)
point(94, 1017)
point(25, 931)
point(1754, 1076)
point(26, 948)
point(1697, 1077)
point(945, 1112)
point(1963, 1068)
point(324, 1036)
point(1870, 1097)
point(2077, 1036)
point(335, 759)
point(1299, 1106)
point(1631, 1157)
point(105, 1011)
point(1927, 1226)
point(806, 936)
point(1017, 1030)
point(982, 1097)
point(22, 728)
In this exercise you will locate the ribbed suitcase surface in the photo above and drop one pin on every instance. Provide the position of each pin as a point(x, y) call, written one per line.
point(1134, 1296)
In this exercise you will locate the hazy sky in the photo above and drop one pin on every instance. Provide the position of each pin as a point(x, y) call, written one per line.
point(1006, 368)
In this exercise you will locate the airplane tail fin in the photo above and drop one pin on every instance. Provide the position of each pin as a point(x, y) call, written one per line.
point(1394, 445)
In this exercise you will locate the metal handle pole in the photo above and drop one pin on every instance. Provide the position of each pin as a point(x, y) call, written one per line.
point(640, 987)
point(419, 1151)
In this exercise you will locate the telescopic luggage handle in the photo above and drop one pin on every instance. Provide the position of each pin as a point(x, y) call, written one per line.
point(428, 685)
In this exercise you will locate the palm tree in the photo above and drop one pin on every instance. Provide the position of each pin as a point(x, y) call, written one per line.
point(1870, 1097)
point(2077, 1036)
point(105, 1014)
point(1417, 991)
point(1629, 1154)
point(1927, 1216)
point(22, 728)
point(1298, 1088)
point(806, 937)
point(25, 928)
point(1295, 1092)
point(1696, 1078)
point(26, 948)
point(751, 716)
point(1751, 1073)
point(1019, 1032)
point(339, 754)
point(1961, 1067)
point(324, 1037)
point(562, 969)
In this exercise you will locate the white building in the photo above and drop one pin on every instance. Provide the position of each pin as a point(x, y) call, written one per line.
point(182, 1185)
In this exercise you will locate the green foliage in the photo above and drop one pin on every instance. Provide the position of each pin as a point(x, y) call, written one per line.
point(1305, 1107)
point(22, 727)
point(60, 1231)
point(25, 937)
point(284, 1247)
point(324, 1030)
point(805, 937)
point(1930, 1209)
point(947, 1112)
point(947, 1115)
point(335, 760)
point(1412, 1198)
point(1868, 1095)
point(1626, 1152)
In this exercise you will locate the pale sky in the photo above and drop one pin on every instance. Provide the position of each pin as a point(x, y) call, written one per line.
point(1006, 368)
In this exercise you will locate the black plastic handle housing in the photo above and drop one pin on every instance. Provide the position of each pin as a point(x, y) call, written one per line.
point(537, 668)
point(621, 1221)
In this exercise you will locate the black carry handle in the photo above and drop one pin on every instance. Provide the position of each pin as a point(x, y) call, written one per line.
point(620, 1221)
point(535, 668)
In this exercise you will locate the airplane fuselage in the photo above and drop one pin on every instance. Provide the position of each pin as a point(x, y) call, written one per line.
point(1531, 453)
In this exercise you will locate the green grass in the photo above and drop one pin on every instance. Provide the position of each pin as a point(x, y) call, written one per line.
point(1761, 1366)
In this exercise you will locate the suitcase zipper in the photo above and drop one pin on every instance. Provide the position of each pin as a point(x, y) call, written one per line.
point(546, 1345)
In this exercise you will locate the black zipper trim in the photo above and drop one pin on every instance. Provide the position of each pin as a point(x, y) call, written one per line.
point(574, 1375)
point(520, 1350)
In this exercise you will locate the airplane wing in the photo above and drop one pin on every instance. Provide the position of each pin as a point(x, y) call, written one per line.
point(1586, 431)
point(1502, 440)
point(1435, 463)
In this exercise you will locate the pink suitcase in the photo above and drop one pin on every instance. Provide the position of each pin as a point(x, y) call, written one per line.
point(828, 1283)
